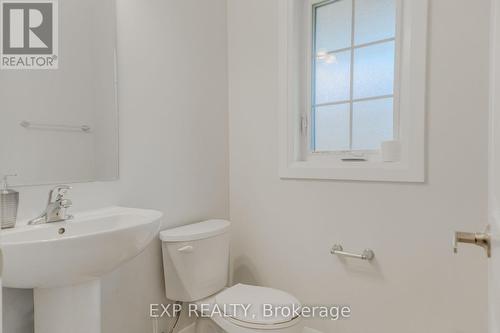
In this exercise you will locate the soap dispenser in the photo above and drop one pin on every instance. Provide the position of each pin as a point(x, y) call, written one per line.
point(9, 203)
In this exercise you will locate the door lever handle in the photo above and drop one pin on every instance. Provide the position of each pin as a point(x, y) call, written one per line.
point(480, 239)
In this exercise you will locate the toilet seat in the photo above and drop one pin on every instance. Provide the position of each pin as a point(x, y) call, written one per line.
point(231, 300)
point(229, 325)
point(262, 327)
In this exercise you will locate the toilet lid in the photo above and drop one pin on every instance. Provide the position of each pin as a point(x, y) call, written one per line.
point(258, 305)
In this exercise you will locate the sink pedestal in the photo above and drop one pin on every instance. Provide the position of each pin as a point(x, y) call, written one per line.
point(75, 309)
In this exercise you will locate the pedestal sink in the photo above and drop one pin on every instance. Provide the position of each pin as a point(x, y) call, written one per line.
point(64, 261)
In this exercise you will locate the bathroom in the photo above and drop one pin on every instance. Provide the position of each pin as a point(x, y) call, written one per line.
point(198, 127)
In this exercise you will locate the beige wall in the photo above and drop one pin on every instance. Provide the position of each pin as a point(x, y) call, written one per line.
point(284, 229)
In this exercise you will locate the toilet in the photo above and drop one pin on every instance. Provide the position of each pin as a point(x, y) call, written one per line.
point(196, 267)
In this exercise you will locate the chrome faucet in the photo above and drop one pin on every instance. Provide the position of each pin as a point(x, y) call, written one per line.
point(56, 207)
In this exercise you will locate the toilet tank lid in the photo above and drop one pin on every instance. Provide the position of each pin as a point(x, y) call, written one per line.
point(195, 231)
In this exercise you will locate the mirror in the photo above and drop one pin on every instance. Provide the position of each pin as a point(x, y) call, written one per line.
point(60, 125)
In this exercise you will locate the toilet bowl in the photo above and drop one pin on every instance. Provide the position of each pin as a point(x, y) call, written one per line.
point(196, 267)
point(253, 319)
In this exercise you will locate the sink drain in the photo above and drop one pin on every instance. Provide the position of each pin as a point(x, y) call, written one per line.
point(61, 231)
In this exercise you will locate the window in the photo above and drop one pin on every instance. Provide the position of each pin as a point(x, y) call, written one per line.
point(352, 75)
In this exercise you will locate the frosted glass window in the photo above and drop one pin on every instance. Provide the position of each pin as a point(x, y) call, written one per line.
point(375, 20)
point(332, 127)
point(374, 70)
point(333, 78)
point(333, 26)
point(353, 74)
point(372, 124)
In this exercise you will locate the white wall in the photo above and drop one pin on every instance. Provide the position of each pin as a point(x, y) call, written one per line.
point(174, 153)
point(284, 229)
point(173, 140)
point(173, 127)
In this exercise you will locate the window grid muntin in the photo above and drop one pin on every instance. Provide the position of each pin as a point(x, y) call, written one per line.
point(351, 92)
point(355, 100)
point(351, 101)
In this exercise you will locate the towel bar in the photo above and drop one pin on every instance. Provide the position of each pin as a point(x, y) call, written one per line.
point(367, 254)
point(55, 127)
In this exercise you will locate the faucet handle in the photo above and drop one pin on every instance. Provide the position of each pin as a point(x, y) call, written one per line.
point(66, 203)
point(59, 192)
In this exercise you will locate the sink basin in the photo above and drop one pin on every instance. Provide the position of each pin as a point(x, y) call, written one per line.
point(76, 251)
point(63, 263)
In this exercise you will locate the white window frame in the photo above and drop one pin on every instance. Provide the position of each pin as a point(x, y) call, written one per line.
point(295, 50)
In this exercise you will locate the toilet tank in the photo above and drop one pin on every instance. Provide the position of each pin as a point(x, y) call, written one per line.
point(196, 260)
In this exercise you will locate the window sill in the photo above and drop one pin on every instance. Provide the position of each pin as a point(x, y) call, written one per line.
point(357, 171)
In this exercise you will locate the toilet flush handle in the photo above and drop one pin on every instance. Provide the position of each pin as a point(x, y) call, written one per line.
point(186, 249)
